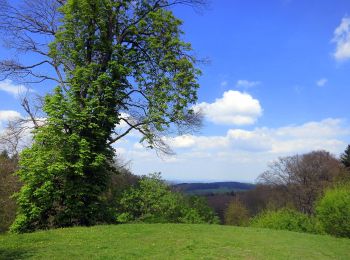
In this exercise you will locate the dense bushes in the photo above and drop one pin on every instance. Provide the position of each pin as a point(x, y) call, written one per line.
point(333, 211)
point(152, 201)
point(332, 215)
point(286, 219)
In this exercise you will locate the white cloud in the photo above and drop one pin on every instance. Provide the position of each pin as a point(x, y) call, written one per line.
point(325, 134)
point(326, 128)
point(258, 140)
point(234, 108)
point(15, 90)
point(246, 84)
point(198, 142)
point(321, 82)
point(183, 141)
point(239, 154)
point(342, 40)
point(7, 115)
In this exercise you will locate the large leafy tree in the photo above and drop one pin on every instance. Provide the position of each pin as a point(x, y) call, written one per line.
point(117, 62)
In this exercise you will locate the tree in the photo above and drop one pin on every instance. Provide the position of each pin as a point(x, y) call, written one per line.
point(265, 197)
point(152, 201)
point(345, 157)
point(8, 185)
point(236, 214)
point(117, 62)
point(304, 177)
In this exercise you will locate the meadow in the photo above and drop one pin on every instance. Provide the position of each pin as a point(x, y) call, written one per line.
point(171, 241)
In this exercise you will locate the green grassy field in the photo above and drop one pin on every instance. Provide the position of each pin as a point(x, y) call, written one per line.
point(171, 241)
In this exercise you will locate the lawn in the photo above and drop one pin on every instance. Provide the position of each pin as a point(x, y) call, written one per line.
point(171, 241)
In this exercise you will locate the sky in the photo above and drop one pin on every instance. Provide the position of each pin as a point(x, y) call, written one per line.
point(277, 84)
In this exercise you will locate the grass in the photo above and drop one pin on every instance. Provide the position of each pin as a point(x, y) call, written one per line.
point(171, 241)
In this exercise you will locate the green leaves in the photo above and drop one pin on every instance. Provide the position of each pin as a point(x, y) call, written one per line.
point(153, 201)
point(118, 58)
point(333, 211)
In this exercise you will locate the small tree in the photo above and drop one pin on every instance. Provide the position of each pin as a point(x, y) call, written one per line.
point(236, 214)
point(345, 158)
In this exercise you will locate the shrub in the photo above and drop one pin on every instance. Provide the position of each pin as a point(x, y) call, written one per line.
point(236, 214)
point(152, 201)
point(333, 211)
point(286, 219)
point(198, 206)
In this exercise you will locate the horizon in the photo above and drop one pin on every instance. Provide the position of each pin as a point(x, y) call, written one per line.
point(277, 85)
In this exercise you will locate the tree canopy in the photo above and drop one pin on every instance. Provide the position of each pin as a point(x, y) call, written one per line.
point(303, 177)
point(117, 63)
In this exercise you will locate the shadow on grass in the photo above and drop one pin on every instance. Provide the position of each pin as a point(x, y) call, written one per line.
point(11, 254)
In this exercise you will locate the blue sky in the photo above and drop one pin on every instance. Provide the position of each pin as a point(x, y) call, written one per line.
point(277, 84)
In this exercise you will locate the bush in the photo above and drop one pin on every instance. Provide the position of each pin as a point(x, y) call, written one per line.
point(285, 219)
point(236, 214)
point(333, 211)
point(195, 205)
point(152, 201)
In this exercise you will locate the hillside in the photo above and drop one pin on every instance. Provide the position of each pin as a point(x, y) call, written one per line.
point(213, 187)
point(171, 241)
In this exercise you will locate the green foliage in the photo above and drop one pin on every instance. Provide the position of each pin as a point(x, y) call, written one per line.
point(64, 176)
point(120, 181)
point(333, 211)
point(117, 58)
point(285, 219)
point(152, 201)
point(200, 205)
point(236, 214)
point(345, 158)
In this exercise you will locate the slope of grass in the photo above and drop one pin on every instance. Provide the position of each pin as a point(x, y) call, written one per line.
point(171, 241)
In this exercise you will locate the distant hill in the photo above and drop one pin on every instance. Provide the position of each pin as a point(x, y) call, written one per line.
point(213, 187)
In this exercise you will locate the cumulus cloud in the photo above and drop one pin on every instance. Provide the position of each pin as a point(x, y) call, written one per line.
point(342, 40)
point(246, 83)
point(321, 82)
point(15, 90)
point(8, 115)
point(200, 142)
point(325, 134)
point(239, 154)
point(234, 108)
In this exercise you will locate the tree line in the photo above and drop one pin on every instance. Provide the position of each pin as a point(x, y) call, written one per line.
point(308, 192)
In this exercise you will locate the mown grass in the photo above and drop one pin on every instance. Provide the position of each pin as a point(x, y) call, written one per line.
point(171, 241)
